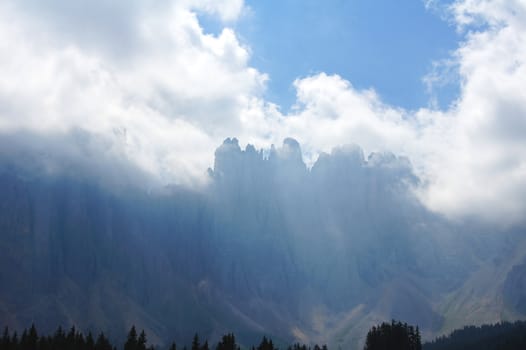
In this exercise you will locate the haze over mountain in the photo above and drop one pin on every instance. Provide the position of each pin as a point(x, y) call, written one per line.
point(268, 247)
point(299, 169)
point(155, 87)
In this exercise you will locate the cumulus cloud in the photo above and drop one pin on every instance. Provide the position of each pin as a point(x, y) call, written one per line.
point(471, 156)
point(165, 103)
point(483, 168)
point(144, 80)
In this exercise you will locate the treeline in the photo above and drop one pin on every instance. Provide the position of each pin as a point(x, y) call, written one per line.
point(73, 339)
point(60, 340)
point(386, 336)
point(393, 336)
point(500, 336)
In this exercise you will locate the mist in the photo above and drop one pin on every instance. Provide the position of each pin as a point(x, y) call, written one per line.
point(216, 166)
point(148, 87)
point(267, 246)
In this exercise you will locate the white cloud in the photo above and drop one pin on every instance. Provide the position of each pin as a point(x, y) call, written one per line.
point(484, 169)
point(156, 91)
point(471, 156)
point(174, 96)
point(227, 10)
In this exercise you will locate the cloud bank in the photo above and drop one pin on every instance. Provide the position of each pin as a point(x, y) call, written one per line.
point(147, 86)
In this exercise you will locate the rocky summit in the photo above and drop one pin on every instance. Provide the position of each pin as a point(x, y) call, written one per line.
point(270, 246)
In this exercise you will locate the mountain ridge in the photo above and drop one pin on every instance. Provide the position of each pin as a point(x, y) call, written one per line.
point(269, 247)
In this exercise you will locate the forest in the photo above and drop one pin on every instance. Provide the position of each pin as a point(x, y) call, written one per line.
point(393, 336)
point(385, 336)
point(73, 339)
point(501, 336)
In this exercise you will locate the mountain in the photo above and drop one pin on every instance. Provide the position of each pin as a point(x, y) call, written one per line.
point(501, 336)
point(269, 246)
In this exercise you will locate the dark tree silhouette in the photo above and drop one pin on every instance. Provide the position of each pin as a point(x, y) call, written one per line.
point(141, 342)
point(500, 336)
point(393, 336)
point(102, 343)
point(228, 342)
point(5, 343)
point(90, 343)
point(131, 341)
point(195, 343)
point(266, 344)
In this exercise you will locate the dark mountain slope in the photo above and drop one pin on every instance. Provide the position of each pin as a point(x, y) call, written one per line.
point(269, 247)
point(501, 336)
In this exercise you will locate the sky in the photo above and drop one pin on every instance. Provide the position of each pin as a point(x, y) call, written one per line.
point(386, 45)
point(153, 87)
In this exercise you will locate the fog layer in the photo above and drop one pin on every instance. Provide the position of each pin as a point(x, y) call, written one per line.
point(269, 246)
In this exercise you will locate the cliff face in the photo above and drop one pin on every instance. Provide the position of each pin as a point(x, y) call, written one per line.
point(269, 247)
